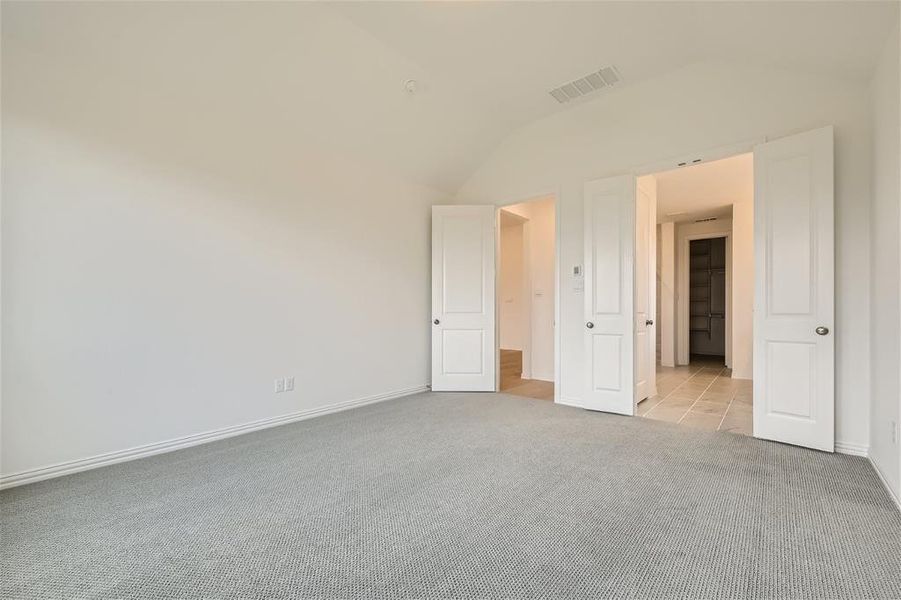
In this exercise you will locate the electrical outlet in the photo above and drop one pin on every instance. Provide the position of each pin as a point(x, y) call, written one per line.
point(289, 384)
point(279, 385)
point(894, 432)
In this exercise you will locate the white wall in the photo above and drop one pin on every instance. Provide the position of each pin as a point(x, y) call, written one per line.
point(165, 258)
point(511, 298)
point(699, 107)
point(541, 236)
point(885, 266)
point(743, 286)
point(666, 293)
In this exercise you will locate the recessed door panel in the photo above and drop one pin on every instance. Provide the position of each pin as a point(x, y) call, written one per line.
point(790, 236)
point(607, 351)
point(463, 264)
point(791, 386)
point(462, 350)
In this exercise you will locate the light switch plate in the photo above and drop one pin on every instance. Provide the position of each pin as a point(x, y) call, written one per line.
point(279, 385)
point(289, 384)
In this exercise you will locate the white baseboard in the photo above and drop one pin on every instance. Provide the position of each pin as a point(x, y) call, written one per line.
point(852, 449)
point(894, 496)
point(110, 458)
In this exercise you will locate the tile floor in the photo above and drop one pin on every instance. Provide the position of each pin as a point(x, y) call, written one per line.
point(701, 395)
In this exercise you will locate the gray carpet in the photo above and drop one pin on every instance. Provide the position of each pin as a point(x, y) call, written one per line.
point(460, 496)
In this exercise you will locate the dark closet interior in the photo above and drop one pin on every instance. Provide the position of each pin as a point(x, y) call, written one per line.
point(707, 297)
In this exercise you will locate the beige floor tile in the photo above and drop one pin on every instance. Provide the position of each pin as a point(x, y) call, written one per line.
point(702, 395)
point(723, 401)
point(709, 408)
point(741, 409)
point(683, 394)
point(738, 430)
point(701, 421)
point(742, 427)
point(664, 413)
point(738, 421)
point(694, 386)
point(678, 402)
point(645, 405)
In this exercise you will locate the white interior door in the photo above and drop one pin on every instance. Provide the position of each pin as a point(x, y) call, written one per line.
point(794, 350)
point(645, 290)
point(463, 312)
point(609, 311)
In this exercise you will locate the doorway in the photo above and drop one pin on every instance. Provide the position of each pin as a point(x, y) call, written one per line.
point(526, 298)
point(703, 341)
point(707, 300)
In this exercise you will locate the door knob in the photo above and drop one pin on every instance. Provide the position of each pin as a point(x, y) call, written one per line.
point(649, 322)
point(436, 321)
point(589, 324)
point(822, 330)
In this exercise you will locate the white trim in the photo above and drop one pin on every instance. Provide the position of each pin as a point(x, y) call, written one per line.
point(110, 458)
point(683, 294)
point(885, 484)
point(708, 155)
point(852, 449)
point(558, 285)
point(558, 281)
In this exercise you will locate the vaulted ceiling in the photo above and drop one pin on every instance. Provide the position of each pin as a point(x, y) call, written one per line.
point(333, 73)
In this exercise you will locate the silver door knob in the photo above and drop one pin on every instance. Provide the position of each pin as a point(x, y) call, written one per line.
point(436, 321)
point(822, 330)
point(649, 322)
point(589, 324)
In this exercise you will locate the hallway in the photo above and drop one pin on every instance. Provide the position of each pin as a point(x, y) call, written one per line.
point(513, 383)
point(701, 395)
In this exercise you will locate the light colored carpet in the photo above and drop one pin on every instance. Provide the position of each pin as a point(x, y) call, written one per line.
point(460, 496)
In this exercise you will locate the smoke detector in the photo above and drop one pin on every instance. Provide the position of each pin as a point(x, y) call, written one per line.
point(601, 79)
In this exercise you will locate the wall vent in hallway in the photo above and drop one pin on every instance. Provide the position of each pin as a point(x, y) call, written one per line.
point(599, 80)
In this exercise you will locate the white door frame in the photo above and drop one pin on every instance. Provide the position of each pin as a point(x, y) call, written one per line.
point(687, 160)
point(558, 285)
point(683, 307)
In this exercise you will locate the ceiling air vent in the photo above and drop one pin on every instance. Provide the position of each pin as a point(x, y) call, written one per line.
point(603, 78)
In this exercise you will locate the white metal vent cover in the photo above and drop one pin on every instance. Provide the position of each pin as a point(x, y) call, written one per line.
point(593, 82)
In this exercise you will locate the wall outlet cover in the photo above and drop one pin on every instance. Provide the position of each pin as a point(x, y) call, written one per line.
point(289, 384)
point(279, 385)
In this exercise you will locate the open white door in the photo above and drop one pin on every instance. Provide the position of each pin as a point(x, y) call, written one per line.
point(463, 318)
point(794, 350)
point(609, 311)
point(645, 289)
